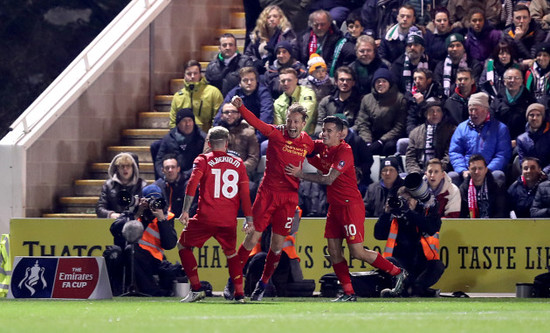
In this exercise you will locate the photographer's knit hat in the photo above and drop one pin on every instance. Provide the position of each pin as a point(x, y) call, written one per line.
point(152, 191)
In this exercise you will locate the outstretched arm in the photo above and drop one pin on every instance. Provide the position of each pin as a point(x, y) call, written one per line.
point(250, 118)
point(327, 179)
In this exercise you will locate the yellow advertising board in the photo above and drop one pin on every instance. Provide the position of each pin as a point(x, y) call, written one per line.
point(479, 255)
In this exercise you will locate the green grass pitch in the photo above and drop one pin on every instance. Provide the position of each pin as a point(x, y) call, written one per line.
point(214, 314)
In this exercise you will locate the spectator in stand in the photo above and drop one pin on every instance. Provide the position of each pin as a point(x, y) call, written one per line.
point(423, 10)
point(456, 106)
point(318, 79)
point(382, 115)
point(541, 203)
point(272, 27)
point(338, 9)
point(482, 37)
point(436, 47)
point(242, 139)
point(535, 142)
point(293, 93)
point(446, 193)
point(414, 57)
point(540, 13)
point(537, 79)
point(522, 192)
point(509, 105)
point(344, 53)
point(255, 96)
point(482, 196)
point(185, 140)
point(378, 192)
point(504, 57)
point(524, 34)
point(459, 9)
point(223, 71)
point(321, 38)
point(445, 72)
point(393, 44)
point(483, 135)
point(285, 59)
point(430, 140)
point(172, 184)
point(366, 64)
point(123, 183)
point(423, 88)
point(203, 98)
point(345, 100)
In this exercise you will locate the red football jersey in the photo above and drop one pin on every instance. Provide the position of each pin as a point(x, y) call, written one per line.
point(281, 150)
point(344, 188)
point(223, 186)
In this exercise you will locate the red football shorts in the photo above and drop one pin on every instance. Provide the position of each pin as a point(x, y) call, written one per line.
point(197, 233)
point(275, 208)
point(346, 221)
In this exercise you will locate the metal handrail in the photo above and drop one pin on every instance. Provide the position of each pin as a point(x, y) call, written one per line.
point(83, 70)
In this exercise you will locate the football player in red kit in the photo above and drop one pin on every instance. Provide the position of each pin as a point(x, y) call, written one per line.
point(333, 157)
point(223, 183)
point(277, 196)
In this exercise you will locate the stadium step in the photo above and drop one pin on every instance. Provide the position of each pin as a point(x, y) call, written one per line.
point(91, 187)
point(154, 119)
point(99, 170)
point(143, 136)
point(143, 152)
point(80, 205)
point(163, 102)
point(71, 215)
point(238, 20)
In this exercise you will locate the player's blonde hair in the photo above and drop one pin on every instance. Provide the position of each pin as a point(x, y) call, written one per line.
point(218, 136)
point(297, 108)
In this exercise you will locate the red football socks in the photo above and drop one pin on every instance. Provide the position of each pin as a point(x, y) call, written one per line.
point(243, 254)
point(385, 265)
point(342, 272)
point(236, 274)
point(271, 263)
point(189, 264)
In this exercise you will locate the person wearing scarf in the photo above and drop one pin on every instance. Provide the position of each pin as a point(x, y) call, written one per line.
point(321, 38)
point(522, 192)
point(492, 78)
point(413, 58)
point(482, 196)
point(482, 135)
point(440, 185)
point(393, 44)
point(537, 78)
point(446, 70)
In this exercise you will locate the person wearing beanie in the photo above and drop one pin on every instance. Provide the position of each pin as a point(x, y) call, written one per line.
point(535, 141)
point(284, 59)
point(524, 34)
point(480, 134)
point(379, 191)
point(538, 75)
point(413, 58)
point(197, 94)
point(511, 102)
point(446, 70)
point(430, 140)
point(382, 115)
point(185, 141)
point(158, 235)
point(318, 79)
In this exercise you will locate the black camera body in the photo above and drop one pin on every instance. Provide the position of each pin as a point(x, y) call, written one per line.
point(397, 203)
point(156, 203)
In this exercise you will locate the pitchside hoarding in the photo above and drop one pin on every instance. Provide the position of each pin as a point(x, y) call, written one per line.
point(479, 255)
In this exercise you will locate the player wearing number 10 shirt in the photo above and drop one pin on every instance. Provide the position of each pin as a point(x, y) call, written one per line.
point(333, 157)
point(223, 184)
point(277, 196)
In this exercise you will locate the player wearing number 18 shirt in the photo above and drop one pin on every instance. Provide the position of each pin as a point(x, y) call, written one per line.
point(277, 196)
point(333, 157)
point(223, 184)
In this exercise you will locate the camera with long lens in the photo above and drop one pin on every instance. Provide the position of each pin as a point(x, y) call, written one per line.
point(418, 188)
point(126, 199)
point(156, 203)
point(397, 204)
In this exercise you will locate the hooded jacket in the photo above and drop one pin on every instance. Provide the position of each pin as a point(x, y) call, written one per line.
point(203, 98)
point(109, 198)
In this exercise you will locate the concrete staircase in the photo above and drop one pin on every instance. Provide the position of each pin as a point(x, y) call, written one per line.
point(152, 126)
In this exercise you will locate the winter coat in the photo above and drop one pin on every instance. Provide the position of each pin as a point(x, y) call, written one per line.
point(541, 203)
point(520, 198)
point(322, 89)
point(448, 198)
point(108, 201)
point(226, 77)
point(498, 207)
point(303, 96)
point(456, 108)
point(415, 113)
point(263, 52)
point(365, 73)
point(414, 159)
point(476, 66)
point(382, 117)
point(526, 46)
point(535, 144)
point(493, 143)
point(328, 44)
point(436, 46)
point(498, 80)
point(174, 193)
point(377, 195)
point(391, 49)
point(480, 45)
point(458, 10)
point(512, 114)
point(203, 98)
point(331, 105)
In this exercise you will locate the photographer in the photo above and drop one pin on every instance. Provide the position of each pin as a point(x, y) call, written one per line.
point(410, 224)
point(157, 226)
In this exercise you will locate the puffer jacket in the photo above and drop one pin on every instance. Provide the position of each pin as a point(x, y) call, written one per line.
point(109, 198)
point(521, 198)
point(541, 203)
point(226, 77)
point(203, 98)
point(536, 144)
point(493, 143)
point(376, 196)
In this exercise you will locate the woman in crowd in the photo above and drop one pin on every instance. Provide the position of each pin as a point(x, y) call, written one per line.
point(492, 78)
